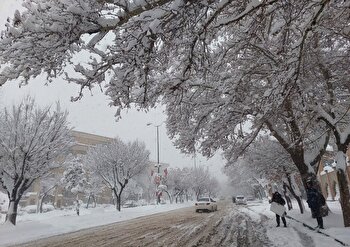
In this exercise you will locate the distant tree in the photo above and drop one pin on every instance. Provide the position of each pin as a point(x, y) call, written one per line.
point(179, 182)
point(93, 189)
point(202, 182)
point(116, 163)
point(74, 177)
point(266, 158)
point(131, 191)
point(31, 139)
point(241, 176)
point(48, 184)
point(147, 184)
point(213, 187)
point(174, 183)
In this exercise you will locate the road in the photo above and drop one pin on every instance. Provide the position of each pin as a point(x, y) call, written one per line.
point(178, 228)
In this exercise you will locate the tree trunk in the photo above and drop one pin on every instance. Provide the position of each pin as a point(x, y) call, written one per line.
point(343, 184)
point(41, 202)
point(94, 199)
point(298, 198)
point(118, 203)
point(158, 197)
point(170, 198)
point(12, 211)
point(285, 192)
point(88, 201)
point(91, 200)
point(344, 196)
point(40, 208)
point(118, 198)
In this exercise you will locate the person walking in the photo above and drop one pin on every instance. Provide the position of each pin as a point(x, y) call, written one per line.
point(315, 200)
point(279, 208)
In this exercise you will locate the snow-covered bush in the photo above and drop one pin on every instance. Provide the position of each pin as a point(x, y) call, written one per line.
point(31, 209)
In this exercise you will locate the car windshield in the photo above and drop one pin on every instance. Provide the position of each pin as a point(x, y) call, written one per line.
point(240, 197)
point(203, 199)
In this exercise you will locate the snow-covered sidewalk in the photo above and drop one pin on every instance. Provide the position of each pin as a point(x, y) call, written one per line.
point(35, 226)
point(296, 234)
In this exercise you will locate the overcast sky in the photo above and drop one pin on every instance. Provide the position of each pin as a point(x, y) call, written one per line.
point(93, 115)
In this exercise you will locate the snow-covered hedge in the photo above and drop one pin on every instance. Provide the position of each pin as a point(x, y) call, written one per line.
point(31, 209)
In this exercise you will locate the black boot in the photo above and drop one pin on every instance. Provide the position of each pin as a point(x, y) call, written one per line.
point(278, 220)
point(320, 222)
point(284, 221)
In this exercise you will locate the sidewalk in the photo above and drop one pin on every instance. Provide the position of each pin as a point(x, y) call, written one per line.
point(333, 223)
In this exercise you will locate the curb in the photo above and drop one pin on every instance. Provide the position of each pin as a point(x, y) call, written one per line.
point(318, 231)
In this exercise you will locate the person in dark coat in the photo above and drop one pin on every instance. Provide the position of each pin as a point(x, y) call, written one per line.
point(315, 200)
point(277, 197)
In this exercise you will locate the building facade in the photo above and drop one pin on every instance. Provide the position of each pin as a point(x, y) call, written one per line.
point(61, 197)
point(153, 176)
point(327, 175)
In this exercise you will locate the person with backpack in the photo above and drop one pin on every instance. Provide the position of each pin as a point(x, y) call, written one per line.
point(315, 200)
point(279, 209)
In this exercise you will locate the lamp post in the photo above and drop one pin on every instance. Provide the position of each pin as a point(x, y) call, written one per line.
point(158, 164)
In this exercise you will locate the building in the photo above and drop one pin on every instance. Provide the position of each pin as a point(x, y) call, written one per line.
point(83, 141)
point(61, 197)
point(327, 175)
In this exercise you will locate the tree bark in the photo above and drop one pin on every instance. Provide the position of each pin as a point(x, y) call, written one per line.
point(289, 201)
point(88, 201)
point(298, 198)
point(343, 185)
point(12, 211)
point(41, 201)
point(344, 196)
point(118, 203)
point(170, 198)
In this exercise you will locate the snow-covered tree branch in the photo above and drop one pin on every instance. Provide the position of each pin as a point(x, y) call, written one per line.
point(116, 163)
point(31, 140)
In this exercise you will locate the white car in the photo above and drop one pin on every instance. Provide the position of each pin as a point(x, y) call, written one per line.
point(206, 204)
point(241, 200)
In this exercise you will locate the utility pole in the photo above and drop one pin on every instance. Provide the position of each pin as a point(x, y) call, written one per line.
point(158, 164)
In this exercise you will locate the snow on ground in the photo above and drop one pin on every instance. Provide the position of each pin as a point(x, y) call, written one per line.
point(296, 234)
point(34, 226)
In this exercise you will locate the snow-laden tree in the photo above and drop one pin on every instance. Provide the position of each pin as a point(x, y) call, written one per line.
point(179, 183)
point(147, 184)
point(217, 65)
point(48, 185)
point(74, 178)
point(267, 159)
point(213, 186)
point(130, 192)
point(116, 163)
point(138, 41)
point(93, 189)
point(242, 177)
point(31, 140)
point(202, 182)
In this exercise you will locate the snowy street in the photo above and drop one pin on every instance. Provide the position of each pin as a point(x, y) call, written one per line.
point(183, 227)
point(231, 225)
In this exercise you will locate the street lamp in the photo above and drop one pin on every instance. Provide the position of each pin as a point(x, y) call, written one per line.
point(158, 164)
